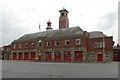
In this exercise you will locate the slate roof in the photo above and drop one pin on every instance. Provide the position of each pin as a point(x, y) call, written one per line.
point(56, 34)
point(96, 34)
point(63, 10)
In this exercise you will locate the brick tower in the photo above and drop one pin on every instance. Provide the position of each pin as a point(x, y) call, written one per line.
point(63, 19)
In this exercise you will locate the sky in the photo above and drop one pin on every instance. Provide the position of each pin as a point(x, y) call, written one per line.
point(20, 17)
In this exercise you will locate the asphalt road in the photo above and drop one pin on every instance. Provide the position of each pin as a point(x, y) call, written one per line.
point(20, 69)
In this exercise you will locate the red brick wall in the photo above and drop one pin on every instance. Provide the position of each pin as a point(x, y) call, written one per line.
point(72, 43)
point(29, 45)
point(108, 44)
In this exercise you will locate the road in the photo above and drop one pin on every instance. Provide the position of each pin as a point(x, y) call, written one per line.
point(21, 69)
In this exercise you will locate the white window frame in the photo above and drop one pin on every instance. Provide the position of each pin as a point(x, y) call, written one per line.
point(92, 56)
point(56, 43)
point(107, 56)
point(33, 44)
point(96, 45)
point(48, 44)
point(39, 43)
point(66, 42)
point(20, 46)
point(99, 45)
point(14, 46)
point(26, 45)
point(78, 43)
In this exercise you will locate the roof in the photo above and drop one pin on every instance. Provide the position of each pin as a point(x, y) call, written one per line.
point(63, 10)
point(96, 34)
point(115, 47)
point(56, 34)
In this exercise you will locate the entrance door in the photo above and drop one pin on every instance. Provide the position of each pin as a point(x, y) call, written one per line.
point(33, 56)
point(39, 57)
point(8, 57)
point(14, 56)
point(26, 56)
point(99, 57)
point(78, 56)
point(20, 56)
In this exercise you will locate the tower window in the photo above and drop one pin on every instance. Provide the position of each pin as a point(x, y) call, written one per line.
point(62, 14)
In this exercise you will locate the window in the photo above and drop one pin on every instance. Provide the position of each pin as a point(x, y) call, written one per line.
point(107, 56)
point(14, 46)
point(33, 45)
point(20, 46)
point(67, 42)
point(99, 45)
point(78, 42)
point(56, 43)
point(8, 49)
point(92, 56)
point(48, 44)
point(39, 43)
point(26, 45)
point(62, 14)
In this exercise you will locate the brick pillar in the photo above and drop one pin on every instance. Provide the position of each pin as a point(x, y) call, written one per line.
point(62, 56)
point(44, 56)
point(17, 55)
point(23, 55)
point(12, 56)
point(72, 56)
point(53, 56)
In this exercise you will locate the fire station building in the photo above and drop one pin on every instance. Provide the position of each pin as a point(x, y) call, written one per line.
point(64, 44)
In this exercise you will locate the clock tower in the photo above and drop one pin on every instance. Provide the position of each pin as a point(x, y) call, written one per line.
point(63, 19)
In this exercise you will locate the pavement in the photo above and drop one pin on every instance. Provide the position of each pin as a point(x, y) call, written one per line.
point(27, 69)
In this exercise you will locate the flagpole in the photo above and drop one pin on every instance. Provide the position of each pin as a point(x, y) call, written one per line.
point(39, 27)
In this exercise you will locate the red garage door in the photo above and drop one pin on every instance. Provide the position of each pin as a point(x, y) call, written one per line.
point(26, 56)
point(39, 57)
point(14, 56)
point(99, 57)
point(48, 56)
point(33, 56)
point(20, 56)
point(67, 56)
point(78, 56)
point(57, 56)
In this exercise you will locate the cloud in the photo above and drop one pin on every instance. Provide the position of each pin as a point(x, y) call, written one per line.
point(23, 16)
point(119, 22)
point(11, 28)
point(107, 21)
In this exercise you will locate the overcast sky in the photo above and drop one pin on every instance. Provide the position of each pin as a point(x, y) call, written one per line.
point(21, 17)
